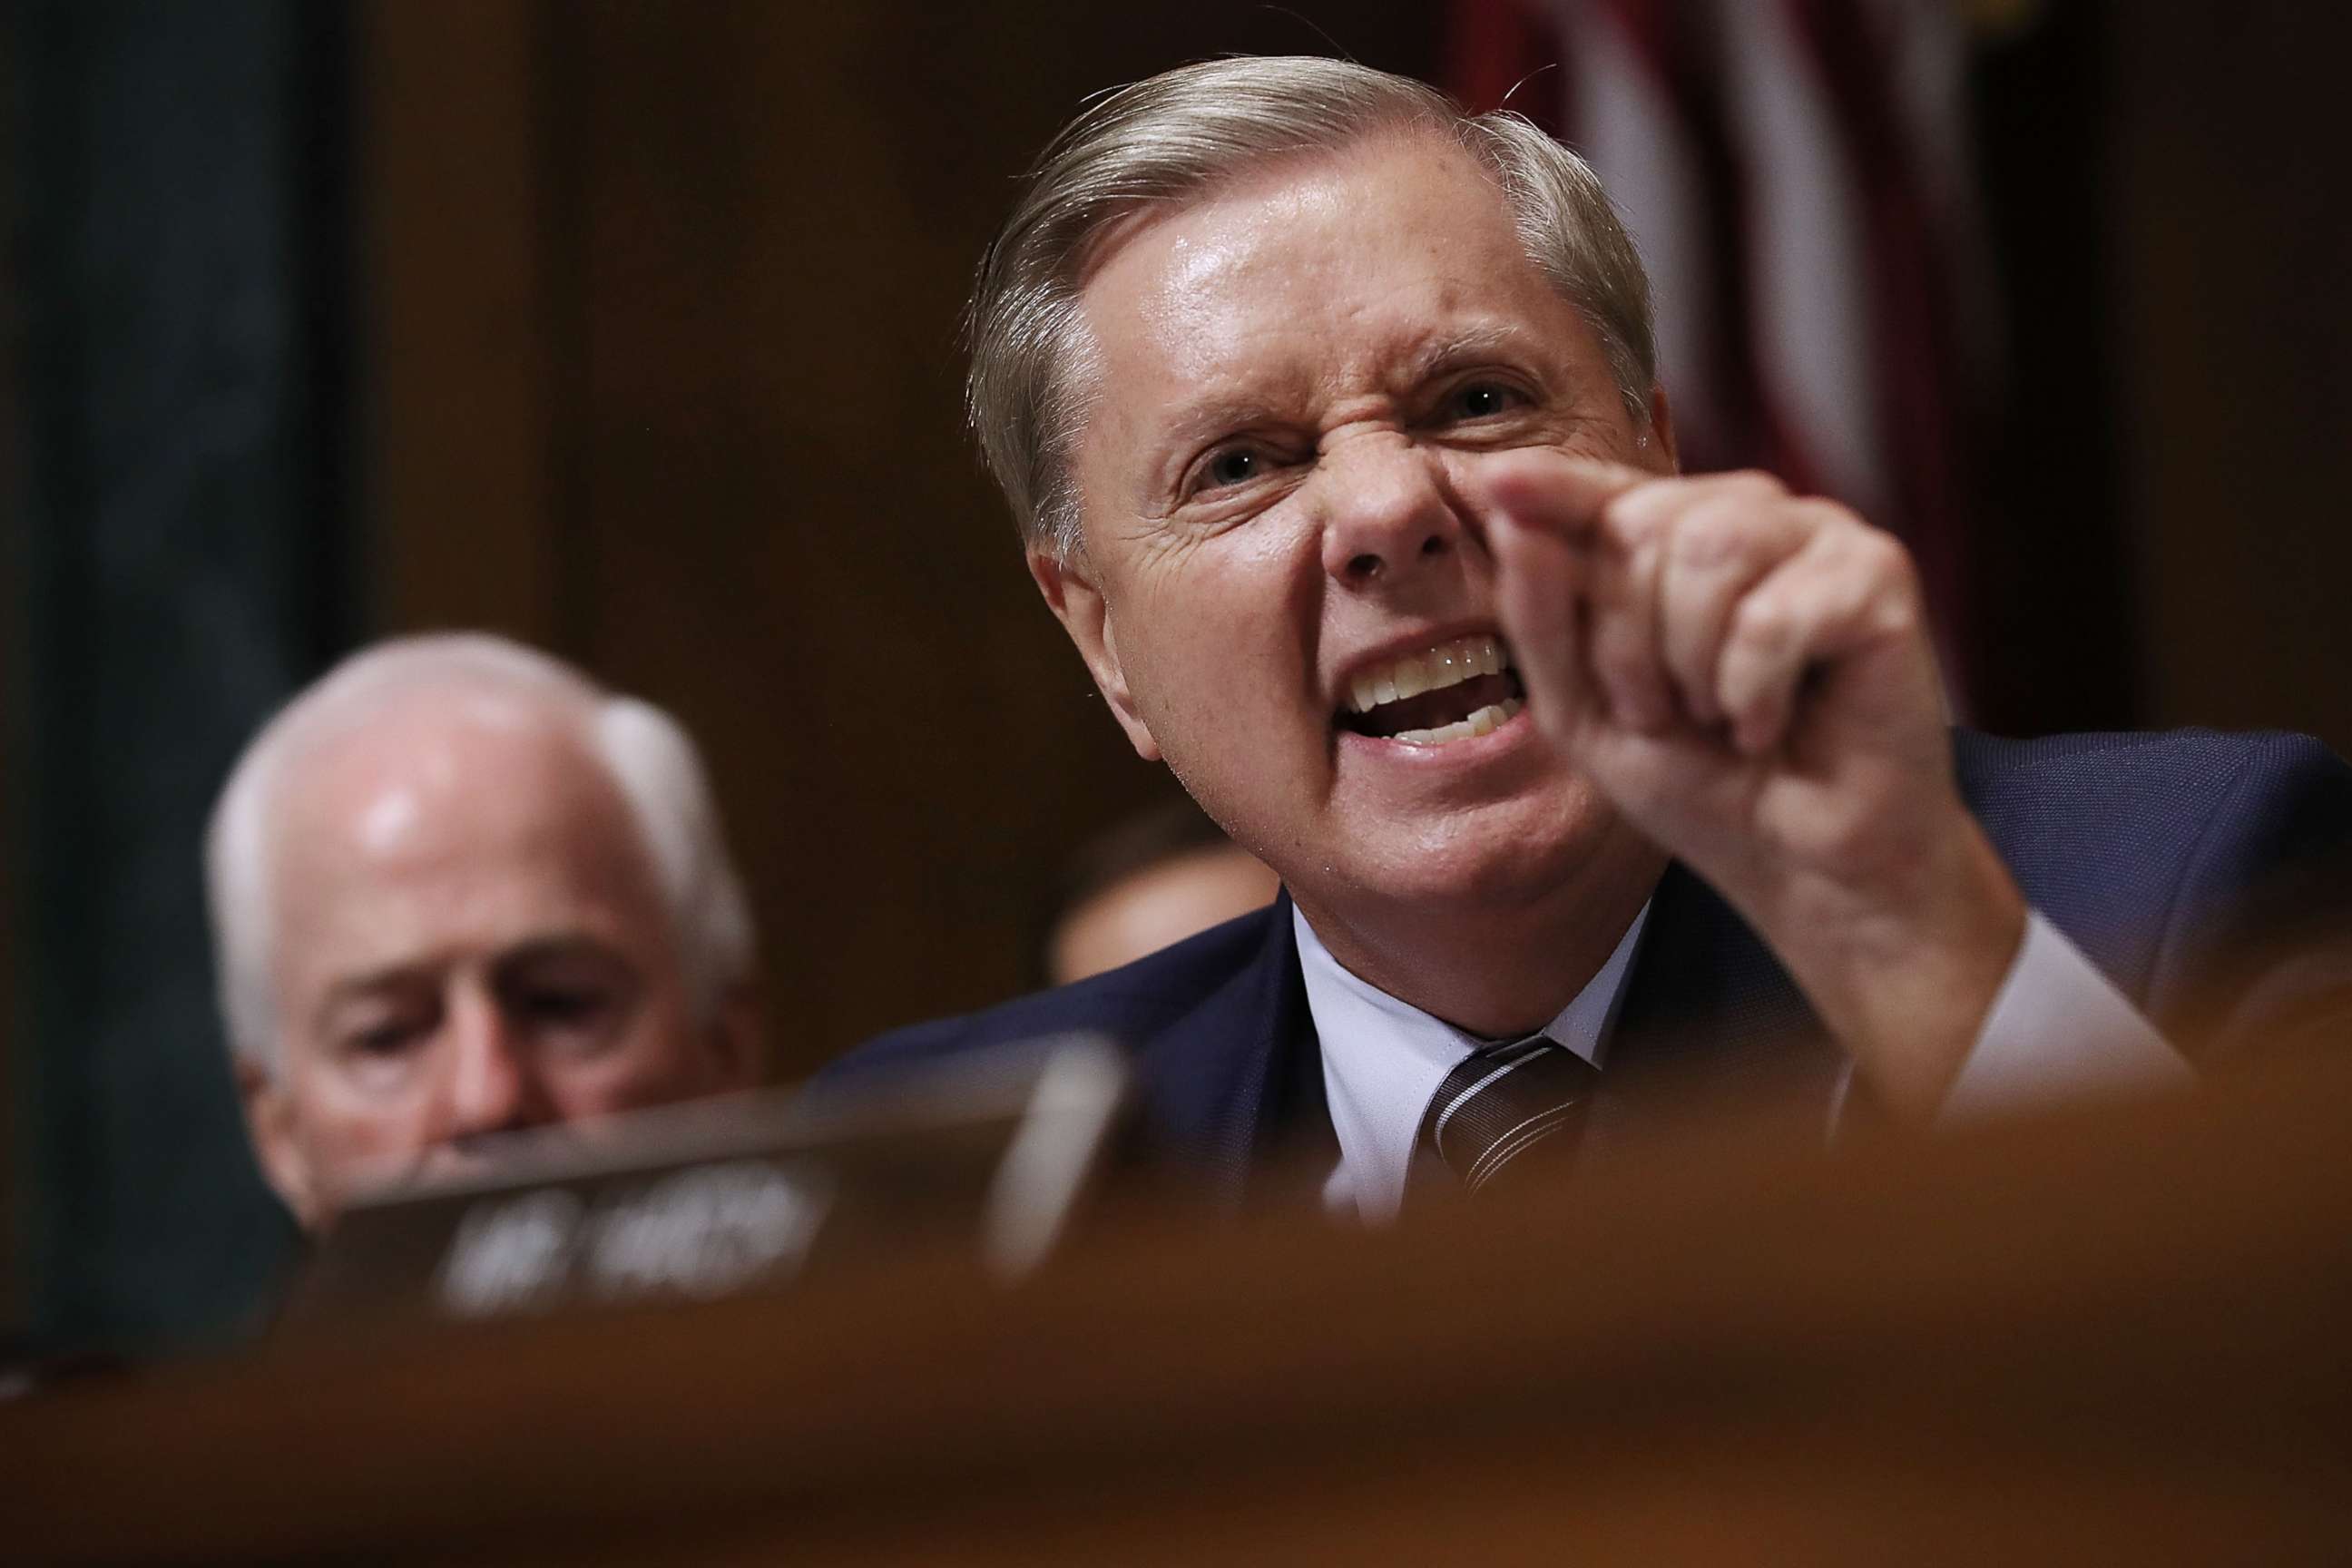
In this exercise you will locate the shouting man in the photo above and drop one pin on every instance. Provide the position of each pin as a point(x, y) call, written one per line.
point(1330, 419)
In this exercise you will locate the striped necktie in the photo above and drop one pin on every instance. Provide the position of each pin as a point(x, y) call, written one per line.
point(1504, 1099)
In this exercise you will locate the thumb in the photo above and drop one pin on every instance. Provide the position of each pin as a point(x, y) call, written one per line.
point(1539, 581)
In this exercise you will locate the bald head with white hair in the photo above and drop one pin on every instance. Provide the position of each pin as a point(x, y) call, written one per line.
point(457, 889)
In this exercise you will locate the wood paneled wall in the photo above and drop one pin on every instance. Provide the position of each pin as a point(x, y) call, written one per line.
point(15, 727)
point(2232, 207)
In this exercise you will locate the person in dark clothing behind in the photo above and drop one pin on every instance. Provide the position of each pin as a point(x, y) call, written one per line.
point(1149, 882)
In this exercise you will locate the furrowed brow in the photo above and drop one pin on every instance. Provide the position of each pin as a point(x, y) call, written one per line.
point(391, 976)
point(1470, 345)
point(353, 990)
point(556, 948)
point(1215, 416)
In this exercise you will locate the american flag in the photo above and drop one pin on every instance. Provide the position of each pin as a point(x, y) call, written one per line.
point(1797, 175)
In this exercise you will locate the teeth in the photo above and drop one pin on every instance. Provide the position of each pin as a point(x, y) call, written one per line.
point(1486, 721)
point(1448, 664)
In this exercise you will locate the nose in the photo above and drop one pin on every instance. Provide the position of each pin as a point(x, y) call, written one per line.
point(491, 1086)
point(1385, 513)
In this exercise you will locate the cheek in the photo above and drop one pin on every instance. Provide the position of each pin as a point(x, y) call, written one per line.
point(615, 1086)
point(658, 1059)
point(1228, 623)
point(339, 1124)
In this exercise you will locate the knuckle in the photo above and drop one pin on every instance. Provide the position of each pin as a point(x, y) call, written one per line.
point(1714, 533)
point(1753, 485)
point(1896, 614)
point(1626, 519)
point(1895, 562)
point(1874, 546)
point(1765, 621)
point(1888, 568)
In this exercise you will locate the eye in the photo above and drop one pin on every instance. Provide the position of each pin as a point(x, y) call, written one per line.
point(1225, 468)
point(567, 993)
point(1483, 399)
point(562, 1007)
point(578, 1001)
point(384, 1042)
point(378, 1029)
point(575, 1022)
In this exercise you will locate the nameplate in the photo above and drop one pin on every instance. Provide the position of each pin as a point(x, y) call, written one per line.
point(701, 1232)
point(750, 1192)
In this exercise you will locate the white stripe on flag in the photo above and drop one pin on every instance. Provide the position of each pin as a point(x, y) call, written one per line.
point(1628, 127)
point(1809, 255)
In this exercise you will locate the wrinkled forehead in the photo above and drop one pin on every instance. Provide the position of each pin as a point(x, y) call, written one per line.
point(1291, 188)
point(1358, 267)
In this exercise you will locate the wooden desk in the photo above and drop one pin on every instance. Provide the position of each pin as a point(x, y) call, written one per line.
point(2116, 1337)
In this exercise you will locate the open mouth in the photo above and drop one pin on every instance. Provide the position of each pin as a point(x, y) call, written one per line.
point(1453, 691)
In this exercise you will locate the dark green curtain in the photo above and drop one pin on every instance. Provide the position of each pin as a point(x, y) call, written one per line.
point(180, 257)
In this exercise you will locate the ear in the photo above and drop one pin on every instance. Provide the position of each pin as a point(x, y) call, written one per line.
point(737, 1039)
point(1662, 430)
point(1079, 604)
point(274, 1127)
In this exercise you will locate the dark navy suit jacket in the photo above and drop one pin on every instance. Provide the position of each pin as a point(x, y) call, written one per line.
point(2207, 876)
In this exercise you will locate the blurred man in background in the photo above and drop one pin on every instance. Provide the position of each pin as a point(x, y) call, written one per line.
point(1332, 422)
point(1151, 881)
point(456, 890)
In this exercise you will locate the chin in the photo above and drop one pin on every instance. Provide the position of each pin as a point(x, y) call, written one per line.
point(1505, 853)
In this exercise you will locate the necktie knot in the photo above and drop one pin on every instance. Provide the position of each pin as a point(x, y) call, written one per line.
point(1503, 1100)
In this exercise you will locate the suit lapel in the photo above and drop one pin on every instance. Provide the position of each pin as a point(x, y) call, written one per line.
point(1709, 1018)
point(1240, 1076)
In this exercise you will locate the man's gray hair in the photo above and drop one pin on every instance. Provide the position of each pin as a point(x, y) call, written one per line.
point(1175, 138)
point(652, 761)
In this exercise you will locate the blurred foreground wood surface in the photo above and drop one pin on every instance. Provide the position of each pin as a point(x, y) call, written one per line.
point(2116, 1335)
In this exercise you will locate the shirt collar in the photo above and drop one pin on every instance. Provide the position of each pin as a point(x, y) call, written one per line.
point(1383, 1058)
